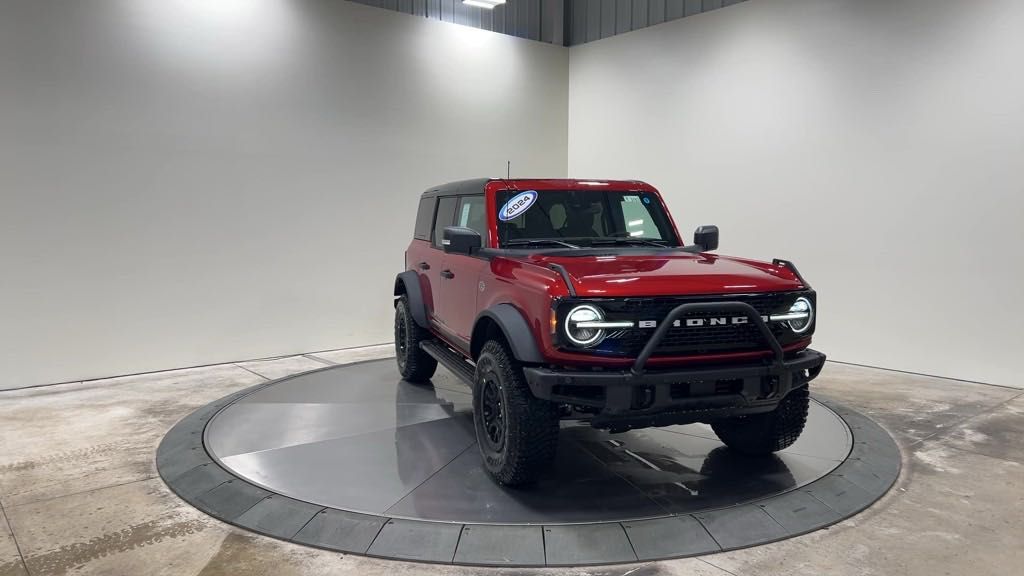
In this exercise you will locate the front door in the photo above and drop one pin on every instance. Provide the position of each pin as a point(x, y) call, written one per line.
point(463, 272)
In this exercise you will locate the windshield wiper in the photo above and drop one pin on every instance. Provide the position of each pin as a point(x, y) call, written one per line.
point(539, 242)
point(645, 241)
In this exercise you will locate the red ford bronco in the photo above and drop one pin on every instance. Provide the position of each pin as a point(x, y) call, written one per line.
point(577, 299)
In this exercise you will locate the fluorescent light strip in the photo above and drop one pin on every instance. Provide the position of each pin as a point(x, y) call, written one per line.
point(488, 4)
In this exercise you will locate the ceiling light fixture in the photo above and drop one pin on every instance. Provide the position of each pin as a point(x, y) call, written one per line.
point(488, 4)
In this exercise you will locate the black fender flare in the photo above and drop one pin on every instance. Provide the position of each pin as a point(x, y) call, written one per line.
point(517, 333)
point(408, 283)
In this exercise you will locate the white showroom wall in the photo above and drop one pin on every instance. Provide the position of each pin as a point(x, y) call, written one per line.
point(879, 145)
point(186, 182)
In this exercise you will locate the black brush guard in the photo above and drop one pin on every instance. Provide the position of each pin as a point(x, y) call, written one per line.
point(639, 397)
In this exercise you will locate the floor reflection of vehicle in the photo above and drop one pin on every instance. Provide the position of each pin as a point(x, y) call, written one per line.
point(597, 476)
point(685, 473)
point(414, 446)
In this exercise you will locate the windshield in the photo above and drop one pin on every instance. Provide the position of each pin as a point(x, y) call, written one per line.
point(582, 218)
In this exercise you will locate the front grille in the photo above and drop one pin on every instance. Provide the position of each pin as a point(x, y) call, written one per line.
point(693, 340)
point(696, 340)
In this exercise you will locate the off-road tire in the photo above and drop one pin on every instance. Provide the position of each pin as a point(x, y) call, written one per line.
point(414, 364)
point(760, 434)
point(529, 436)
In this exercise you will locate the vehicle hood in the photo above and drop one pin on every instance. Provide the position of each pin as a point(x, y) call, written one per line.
point(668, 273)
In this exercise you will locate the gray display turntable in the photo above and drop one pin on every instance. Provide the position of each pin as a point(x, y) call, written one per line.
point(351, 458)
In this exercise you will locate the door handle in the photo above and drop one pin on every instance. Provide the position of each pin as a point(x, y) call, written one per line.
point(423, 266)
point(448, 274)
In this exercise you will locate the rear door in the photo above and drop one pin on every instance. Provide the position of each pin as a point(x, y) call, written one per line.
point(461, 274)
point(421, 257)
point(440, 284)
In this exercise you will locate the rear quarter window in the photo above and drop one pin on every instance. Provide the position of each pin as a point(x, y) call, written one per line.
point(424, 219)
point(445, 214)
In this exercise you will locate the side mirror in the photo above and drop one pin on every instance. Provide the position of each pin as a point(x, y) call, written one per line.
point(706, 237)
point(459, 240)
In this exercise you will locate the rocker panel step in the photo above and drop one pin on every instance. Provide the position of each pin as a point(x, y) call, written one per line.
point(450, 359)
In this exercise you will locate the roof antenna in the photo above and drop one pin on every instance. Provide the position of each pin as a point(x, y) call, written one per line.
point(508, 169)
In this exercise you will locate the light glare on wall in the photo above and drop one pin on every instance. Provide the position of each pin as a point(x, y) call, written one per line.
point(488, 4)
point(229, 37)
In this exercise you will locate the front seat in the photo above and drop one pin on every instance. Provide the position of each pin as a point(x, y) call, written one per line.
point(536, 224)
point(579, 222)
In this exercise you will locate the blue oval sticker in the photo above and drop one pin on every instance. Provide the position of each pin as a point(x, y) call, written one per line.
point(517, 205)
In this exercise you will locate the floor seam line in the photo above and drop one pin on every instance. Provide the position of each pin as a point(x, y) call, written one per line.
point(318, 359)
point(706, 529)
point(250, 507)
point(306, 523)
point(826, 505)
point(427, 479)
point(544, 542)
point(1001, 458)
point(14, 537)
point(350, 348)
point(631, 547)
point(386, 521)
point(119, 484)
point(221, 458)
point(773, 518)
point(254, 373)
point(925, 375)
point(314, 355)
point(458, 541)
point(716, 566)
point(227, 363)
point(962, 421)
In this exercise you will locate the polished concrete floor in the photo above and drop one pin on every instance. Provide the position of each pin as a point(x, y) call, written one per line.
point(80, 493)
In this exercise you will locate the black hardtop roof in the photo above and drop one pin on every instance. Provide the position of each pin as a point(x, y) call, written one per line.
point(471, 186)
point(477, 185)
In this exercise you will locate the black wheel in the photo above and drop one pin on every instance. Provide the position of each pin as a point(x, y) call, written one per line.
point(414, 364)
point(517, 432)
point(760, 434)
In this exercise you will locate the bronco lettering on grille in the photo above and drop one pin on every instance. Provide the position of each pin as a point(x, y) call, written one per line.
point(698, 322)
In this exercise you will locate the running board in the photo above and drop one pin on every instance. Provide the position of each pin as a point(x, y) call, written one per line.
point(450, 359)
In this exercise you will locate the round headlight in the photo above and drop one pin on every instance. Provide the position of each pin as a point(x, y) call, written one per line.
point(582, 336)
point(803, 308)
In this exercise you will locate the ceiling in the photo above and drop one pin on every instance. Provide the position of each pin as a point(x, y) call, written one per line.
point(561, 22)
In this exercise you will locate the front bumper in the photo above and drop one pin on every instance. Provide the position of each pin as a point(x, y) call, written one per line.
point(628, 400)
point(639, 397)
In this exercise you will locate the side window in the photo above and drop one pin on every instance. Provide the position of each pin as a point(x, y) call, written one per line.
point(424, 218)
point(471, 214)
point(445, 213)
